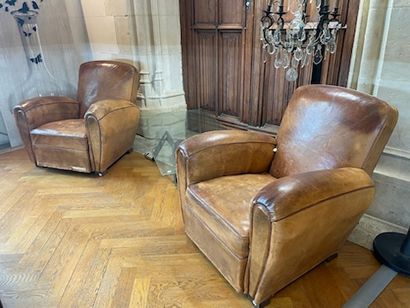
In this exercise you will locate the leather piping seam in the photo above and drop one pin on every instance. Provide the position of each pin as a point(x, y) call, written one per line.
point(58, 148)
point(215, 214)
point(216, 237)
point(376, 140)
point(273, 219)
point(92, 116)
point(265, 257)
point(23, 113)
point(59, 136)
point(47, 104)
point(111, 111)
point(189, 155)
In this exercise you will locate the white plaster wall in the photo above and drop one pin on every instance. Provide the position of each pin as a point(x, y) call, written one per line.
point(64, 43)
point(382, 68)
point(147, 34)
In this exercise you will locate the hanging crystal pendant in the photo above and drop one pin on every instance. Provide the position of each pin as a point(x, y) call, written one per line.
point(279, 58)
point(318, 57)
point(298, 54)
point(304, 60)
point(292, 74)
point(295, 45)
point(271, 49)
point(286, 60)
point(277, 37)
point(331, 47)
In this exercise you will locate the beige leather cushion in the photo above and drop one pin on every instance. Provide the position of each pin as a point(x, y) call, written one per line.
point(69, 134)
point(224, 205)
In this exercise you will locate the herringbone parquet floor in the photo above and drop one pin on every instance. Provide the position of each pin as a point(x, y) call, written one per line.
point(75, 240)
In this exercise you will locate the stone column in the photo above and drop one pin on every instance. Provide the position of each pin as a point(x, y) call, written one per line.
point(147, 34)
point(381, 67)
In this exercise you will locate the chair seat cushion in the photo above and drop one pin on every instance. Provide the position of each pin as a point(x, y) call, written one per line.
point(69, 134)
point(224, 204)
point(62, 145)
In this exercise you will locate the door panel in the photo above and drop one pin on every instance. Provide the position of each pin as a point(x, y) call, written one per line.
point(230, 66)
point(206, 69)
point(231, 14)
point(218, 32)
point(205, 13)
point(226, 71)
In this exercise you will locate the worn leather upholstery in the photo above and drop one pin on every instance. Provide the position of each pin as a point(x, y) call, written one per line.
point(328, 127)
point(266, 211)
point(88, 134)
point(99, 80)
point(110, 120)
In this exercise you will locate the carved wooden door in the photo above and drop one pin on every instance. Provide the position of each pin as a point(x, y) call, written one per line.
point(226, 71)
point(217, 45)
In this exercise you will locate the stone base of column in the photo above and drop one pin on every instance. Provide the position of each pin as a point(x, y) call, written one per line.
point(162, 103)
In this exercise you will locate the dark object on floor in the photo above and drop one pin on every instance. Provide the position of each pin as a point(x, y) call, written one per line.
point(88, 134)
point(393, 250)
point(266, 211)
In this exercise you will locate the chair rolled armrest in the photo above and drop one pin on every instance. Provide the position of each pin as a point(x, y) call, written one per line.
point(226, 152)
point(35, 112)
point(300, 220)
point(291, 194)
point(111, 127)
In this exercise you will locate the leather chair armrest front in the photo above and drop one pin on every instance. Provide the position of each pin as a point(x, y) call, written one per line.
point(226, 152)
point(35, 112)
point(111, 128)
point(300, 220)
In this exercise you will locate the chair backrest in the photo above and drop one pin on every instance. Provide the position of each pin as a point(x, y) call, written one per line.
point(327, 127)
point(100, 80)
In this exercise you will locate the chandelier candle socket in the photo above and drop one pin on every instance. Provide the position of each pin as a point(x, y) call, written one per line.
point(294, 43)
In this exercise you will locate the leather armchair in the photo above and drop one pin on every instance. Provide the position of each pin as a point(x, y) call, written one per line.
point(266, 210)
point(88, 134)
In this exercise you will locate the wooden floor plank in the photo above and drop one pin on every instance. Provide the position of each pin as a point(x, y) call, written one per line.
point(77, 240)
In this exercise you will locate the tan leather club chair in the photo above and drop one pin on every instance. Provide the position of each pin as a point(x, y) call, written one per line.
point(265, 211)
point(88, 134)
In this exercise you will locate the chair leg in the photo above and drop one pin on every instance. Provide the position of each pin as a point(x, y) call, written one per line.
point(332, 257)
point(130, 151)
point(260, 305)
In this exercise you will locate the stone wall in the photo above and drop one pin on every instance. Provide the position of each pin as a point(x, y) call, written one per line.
point(147, 34)
point(64, 46)
point(381, 67)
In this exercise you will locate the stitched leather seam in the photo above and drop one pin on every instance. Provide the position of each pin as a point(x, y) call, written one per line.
point(226, 144)
point(47, 104)
point(118, 109)
point(217, 216)
point(273, 219)
point(215, 236)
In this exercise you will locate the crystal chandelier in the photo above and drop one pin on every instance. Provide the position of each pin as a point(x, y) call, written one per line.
point(294, 43)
